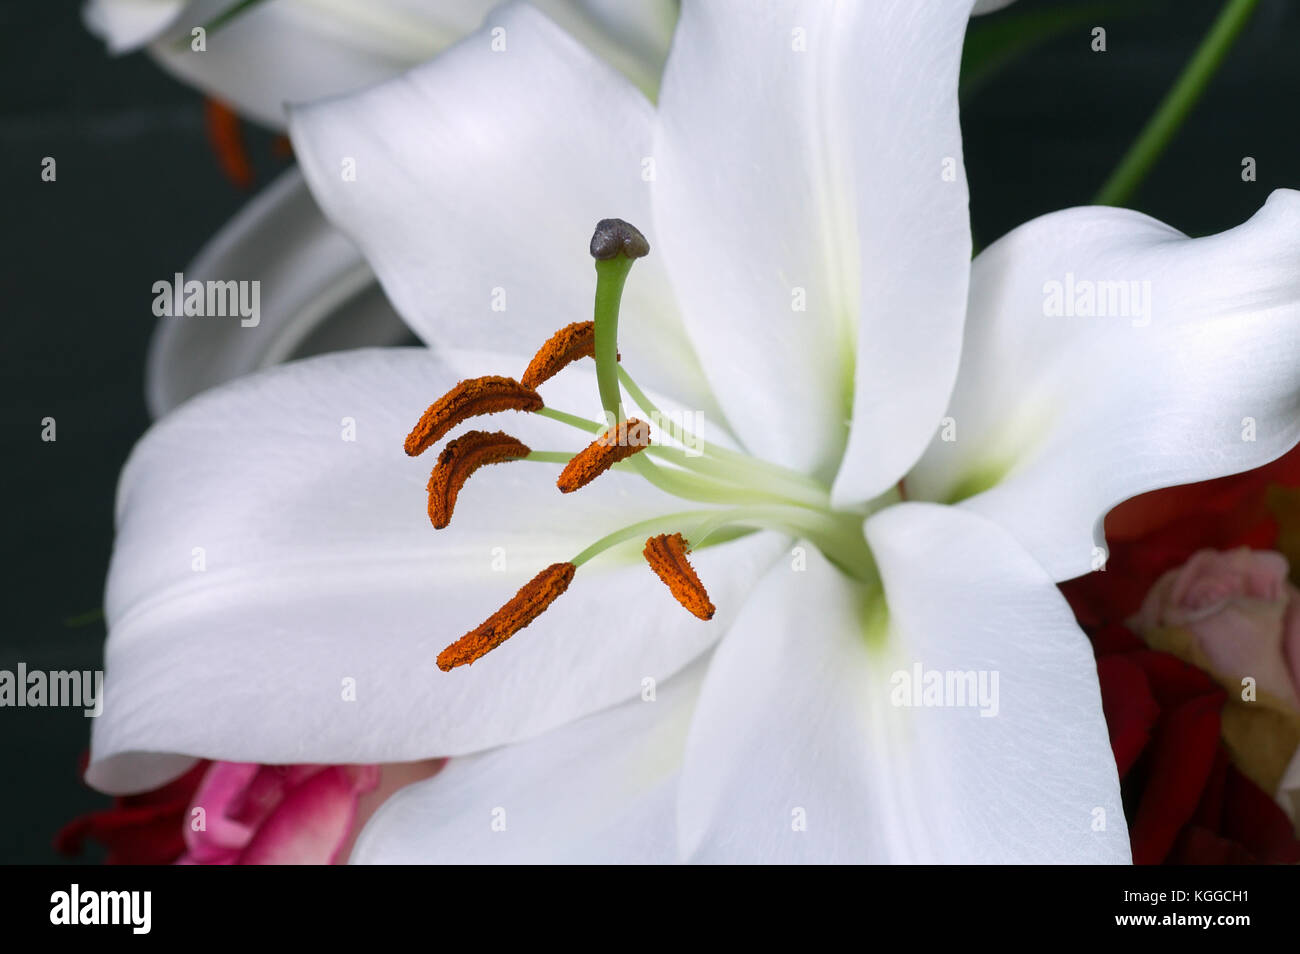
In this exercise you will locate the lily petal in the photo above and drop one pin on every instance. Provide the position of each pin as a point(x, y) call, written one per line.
point(797, 751)
point(316, 294)
point(595, 792)
point(633, 36)
point(290, 50)
point(989, 6)
point(479, 179)
point(269, 571)
point(1189, 374)
point(303, 50)
point(127, 25)
point(812, 207)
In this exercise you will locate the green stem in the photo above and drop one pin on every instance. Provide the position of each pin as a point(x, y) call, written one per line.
point(796, 485)
point(611, 275)
point(692, 487)
point(1178, 102)
point(572, 420)
point(841, 543)
point(631, 532)
point(722, 476)
point(679, 483)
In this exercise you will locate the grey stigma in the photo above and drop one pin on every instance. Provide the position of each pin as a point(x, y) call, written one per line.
point(613, 236)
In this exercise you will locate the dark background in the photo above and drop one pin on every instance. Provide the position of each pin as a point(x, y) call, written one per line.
point(139, 190)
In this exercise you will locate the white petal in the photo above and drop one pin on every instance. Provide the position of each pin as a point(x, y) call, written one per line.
point(479, 180)
point(631, 35)
point(804, 211)
point(989, 6)
point(265, 566)
point(126, 25)
point(298, 50)
point(316, 293)
point(599, 791)
point(303, 50)
point(796, 722)
point(1068, 416)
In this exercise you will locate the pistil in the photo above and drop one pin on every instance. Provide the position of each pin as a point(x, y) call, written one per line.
point(615, 246)
point(751, 494)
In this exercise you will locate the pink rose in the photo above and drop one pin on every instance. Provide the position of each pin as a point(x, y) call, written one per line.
point(1242, 614)
point(1234, 615)
point(288, 814)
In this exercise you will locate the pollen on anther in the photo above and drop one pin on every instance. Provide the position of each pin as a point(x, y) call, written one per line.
point(616, 444)
point(529, 603)
point(469, 398)
point(458, 461)
point(571, 343)
point(666, 555)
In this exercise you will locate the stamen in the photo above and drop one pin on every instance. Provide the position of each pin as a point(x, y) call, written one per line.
point(529, 603)
point(458, 460)
point(469, 398)
point(571, 343)
point(666, 555)
point(616, 444)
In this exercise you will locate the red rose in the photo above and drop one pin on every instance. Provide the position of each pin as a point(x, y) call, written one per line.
point(1155, 532)
point(144, 829)
point(239, 813)
point(1186, 802)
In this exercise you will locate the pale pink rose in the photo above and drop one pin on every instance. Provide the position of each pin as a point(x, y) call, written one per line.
point(1243, 615)
point(288, 814)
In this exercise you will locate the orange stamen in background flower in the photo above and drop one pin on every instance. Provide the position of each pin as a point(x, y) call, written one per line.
point(458, 460)
point(529, 603)
point(616, 444)
point(226, 137)
point(666, 555)
point(469, 398)
point(571, 343)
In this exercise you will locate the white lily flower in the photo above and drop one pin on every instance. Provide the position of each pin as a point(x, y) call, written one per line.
point(807, 156)
point(292, 51)
point(318, 292)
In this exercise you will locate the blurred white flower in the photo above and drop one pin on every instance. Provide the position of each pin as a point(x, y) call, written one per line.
point(276, 52)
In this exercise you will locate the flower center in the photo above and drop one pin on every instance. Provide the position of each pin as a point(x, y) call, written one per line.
point(745, 494)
